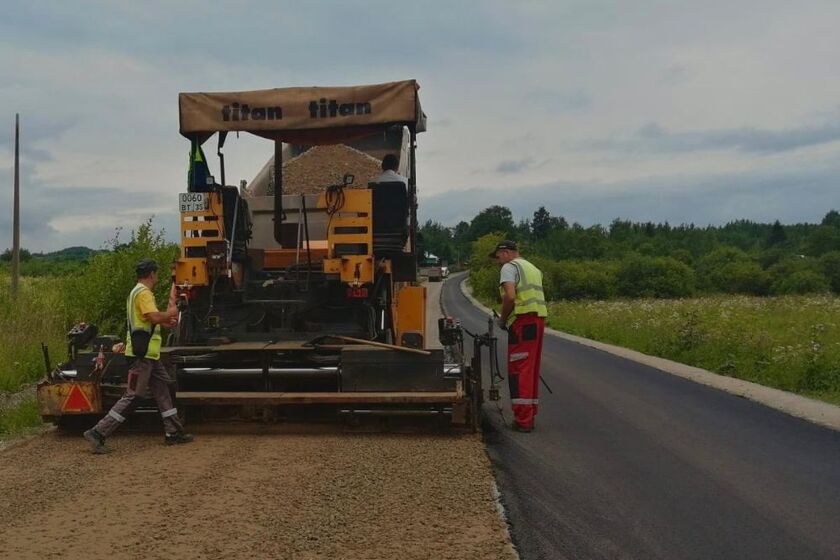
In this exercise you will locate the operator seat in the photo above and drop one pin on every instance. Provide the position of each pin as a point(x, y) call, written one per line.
point(390, 217)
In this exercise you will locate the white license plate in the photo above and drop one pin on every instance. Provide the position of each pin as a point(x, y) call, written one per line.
point(194, 202)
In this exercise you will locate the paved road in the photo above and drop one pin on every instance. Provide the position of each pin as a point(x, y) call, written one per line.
point(630, 462)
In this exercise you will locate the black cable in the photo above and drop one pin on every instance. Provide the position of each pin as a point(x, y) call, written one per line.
point(334, 200)
point(471, 334)
point(254, 325)
point(498, 372)
point(212, 297)
point(372, 330)
point(308, 246)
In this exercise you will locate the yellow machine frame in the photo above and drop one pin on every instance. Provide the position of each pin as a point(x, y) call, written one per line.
point(198, 229)
point(354, 216)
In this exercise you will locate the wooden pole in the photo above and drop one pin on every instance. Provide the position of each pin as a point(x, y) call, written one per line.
point(16, 219)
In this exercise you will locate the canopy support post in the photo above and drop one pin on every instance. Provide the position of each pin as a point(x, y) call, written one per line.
point(278, 190)
point(222, 137)
point(412, 194)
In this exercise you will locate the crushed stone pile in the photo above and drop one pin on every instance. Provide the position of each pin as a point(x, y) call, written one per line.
point(321, 166)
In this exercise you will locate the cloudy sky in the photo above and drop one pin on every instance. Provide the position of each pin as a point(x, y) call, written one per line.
point(658, 110)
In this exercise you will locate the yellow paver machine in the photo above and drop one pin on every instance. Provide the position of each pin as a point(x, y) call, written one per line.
point(295, 299)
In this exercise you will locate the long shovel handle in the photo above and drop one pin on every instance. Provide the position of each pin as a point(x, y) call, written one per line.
point(380, 344)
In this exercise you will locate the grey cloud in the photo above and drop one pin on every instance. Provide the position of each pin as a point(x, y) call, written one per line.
point(654, 138)
point(514, 166)
point(377, 31)
point(800, 196)
point(554, 101)
point(41, 204)
point(33, 129)
point(36, 155)
point(674, 74)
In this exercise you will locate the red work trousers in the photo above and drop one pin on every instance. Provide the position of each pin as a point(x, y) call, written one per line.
point(525, 338)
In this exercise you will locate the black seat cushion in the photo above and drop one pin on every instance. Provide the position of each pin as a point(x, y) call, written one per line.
point(390, 217)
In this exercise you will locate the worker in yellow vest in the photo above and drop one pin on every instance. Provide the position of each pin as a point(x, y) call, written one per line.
point(143, 342)
point(523, 316)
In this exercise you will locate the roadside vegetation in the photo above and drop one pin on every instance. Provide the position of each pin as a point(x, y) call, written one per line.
point(787, 342)
point(40, 314)
point(644, 259)
point(708, 314)
point(80, 285)
point(19, 418)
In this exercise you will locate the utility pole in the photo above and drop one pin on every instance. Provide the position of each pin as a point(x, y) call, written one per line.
point(16, 220)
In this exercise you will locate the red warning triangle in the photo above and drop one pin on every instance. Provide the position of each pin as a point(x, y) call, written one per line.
point(76, 401)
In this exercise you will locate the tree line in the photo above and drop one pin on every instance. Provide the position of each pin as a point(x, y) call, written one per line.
point(624, 259)
point(70, 260)
point(647, 259)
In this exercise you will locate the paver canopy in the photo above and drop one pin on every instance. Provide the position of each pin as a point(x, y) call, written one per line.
point(306, 115)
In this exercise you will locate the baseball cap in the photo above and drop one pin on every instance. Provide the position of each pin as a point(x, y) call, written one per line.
point(505, 244)
point(145, 267)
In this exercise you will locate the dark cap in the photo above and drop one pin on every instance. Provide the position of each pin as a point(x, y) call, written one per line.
point(146, 267)
point(506, 244)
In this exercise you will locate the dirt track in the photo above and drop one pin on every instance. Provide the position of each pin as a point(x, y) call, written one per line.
point(251, 491)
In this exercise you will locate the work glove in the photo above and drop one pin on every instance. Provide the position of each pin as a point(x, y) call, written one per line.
point(501, 324)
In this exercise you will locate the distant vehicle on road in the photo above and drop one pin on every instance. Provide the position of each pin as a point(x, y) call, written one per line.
point(430, 267)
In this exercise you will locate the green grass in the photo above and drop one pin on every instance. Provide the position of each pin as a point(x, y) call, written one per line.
point(832, 397)
point(38, 314)
point(19, 419)
point(791, 343)
point(46, 307)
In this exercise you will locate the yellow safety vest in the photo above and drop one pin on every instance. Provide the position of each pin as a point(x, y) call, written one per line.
point(529, 291)
point(137, 322)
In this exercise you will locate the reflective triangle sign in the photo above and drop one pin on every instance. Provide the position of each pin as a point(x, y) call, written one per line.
point(76, 401)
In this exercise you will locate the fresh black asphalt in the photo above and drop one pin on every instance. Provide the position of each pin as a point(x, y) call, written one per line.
point(631, 462)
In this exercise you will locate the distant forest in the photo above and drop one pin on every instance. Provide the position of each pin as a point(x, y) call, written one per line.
point(646, 259)
point(624, 259)
point(56, 263)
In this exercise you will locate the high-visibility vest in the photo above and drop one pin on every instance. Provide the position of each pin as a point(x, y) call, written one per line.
point(198, 170)
point(530, 297)
point(135, 321)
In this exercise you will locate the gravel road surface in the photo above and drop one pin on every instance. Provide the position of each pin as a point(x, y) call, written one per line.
point(252, 491)
point(631, 462)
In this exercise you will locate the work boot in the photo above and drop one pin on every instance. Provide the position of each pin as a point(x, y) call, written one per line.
point(97, 442)
point(178, 437)
point(518, 428)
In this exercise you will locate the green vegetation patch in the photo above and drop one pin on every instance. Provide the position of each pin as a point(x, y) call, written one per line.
point(19, 418)
point(788, 342)
point(642, 259)
point(39, 314)
point(93, 292)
